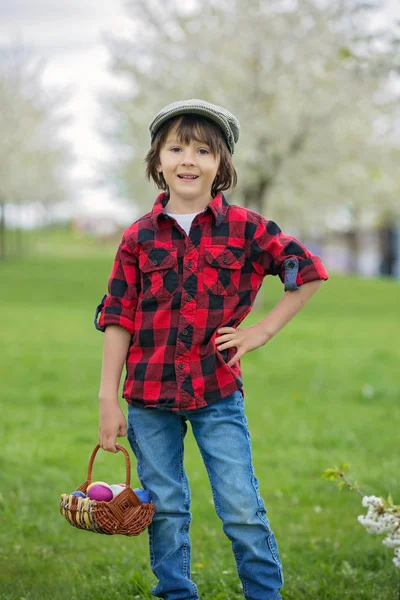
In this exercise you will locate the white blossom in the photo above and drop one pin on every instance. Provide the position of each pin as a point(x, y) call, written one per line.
point(374, 526)
point(379, 520)
point(396, 559)
point(392, 540)
point(373, 501)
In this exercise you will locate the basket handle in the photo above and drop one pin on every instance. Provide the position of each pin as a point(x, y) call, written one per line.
point(127, 463)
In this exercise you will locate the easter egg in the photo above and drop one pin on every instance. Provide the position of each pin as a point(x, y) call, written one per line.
point(99, 490)
point(143, 495)
point(78, 494)
point(96, 483)
point(117, 488)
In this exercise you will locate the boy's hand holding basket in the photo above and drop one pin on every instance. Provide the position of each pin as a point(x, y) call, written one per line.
point(124, 513)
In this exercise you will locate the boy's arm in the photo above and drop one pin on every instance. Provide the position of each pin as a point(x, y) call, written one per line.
point(112, 423)
point(117, 321)
point(287, 307)
point(118, 307)
point(249, 338)
point(275, 253)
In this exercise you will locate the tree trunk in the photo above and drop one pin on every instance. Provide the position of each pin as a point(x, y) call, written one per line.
point(353, 245)
point(388, 248)
point(254, 195)
point(353, 239)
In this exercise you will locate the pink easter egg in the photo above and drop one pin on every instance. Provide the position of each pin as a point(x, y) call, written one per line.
point(100, 491)
point(96, 483)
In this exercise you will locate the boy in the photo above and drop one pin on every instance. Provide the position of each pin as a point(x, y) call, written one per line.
point(185, 275)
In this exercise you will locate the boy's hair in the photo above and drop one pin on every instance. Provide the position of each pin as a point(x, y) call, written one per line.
point(200, 129)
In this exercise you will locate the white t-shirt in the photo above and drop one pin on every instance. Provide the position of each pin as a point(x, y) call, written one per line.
point(185, 221)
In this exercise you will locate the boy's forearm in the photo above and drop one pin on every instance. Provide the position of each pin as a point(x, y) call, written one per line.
point(116, 345)
point(287, 307)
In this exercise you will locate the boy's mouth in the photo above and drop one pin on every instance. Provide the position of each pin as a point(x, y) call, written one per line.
point(188, 177)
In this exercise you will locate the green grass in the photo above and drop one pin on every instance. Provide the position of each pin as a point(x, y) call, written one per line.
point(324, 391)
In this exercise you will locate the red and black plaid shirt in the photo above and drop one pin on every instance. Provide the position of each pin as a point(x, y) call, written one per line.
point(172, 292)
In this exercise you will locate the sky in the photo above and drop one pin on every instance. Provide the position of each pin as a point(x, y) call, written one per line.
point(67, 34)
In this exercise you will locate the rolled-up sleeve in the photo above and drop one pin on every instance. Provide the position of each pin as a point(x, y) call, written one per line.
point(118, 307)
point(275, 253)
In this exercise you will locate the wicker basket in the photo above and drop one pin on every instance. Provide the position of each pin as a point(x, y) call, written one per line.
point(125, 514)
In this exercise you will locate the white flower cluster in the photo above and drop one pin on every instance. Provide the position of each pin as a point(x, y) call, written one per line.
point(396, 559)
point(380, 520)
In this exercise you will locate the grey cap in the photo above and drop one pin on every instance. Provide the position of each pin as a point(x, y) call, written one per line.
point(226, 120)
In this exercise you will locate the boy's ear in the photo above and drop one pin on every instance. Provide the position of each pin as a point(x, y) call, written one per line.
point(159, 169)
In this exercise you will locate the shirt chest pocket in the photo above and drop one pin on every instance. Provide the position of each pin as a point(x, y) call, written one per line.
point(159, 272)
point(222, 269)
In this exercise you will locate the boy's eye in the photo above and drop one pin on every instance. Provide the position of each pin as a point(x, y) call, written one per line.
point(201, 150)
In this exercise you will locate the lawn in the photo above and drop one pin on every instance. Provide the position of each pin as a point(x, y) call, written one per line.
point(325, 390)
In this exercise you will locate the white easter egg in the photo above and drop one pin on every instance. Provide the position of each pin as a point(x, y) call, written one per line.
point(117, 488)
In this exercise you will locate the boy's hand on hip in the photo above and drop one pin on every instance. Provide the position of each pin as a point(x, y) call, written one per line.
point(244, 339)
point(112, 424)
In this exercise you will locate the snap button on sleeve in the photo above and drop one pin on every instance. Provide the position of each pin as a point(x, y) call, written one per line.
point(291, 270)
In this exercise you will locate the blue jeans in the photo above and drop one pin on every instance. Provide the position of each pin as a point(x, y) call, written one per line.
point(221, 432)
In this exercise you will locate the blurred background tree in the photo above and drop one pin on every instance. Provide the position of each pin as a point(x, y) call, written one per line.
point(314, 84)
point(33, 158)
point(311, 83)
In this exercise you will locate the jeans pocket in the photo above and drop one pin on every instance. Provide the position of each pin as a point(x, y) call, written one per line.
point(130, 434)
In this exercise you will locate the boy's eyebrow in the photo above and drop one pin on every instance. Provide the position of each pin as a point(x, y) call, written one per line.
point(175, 141)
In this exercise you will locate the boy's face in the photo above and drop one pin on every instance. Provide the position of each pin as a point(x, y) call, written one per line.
point(178, 158)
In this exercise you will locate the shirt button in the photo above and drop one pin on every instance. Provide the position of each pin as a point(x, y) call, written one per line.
point(189, 297)
point(190, 264)
point(225, 260)
point(155, 262)
point(181, 366)
point(291, 263)
point(185, 332)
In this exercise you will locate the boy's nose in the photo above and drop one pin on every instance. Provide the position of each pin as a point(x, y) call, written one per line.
point(188, 157)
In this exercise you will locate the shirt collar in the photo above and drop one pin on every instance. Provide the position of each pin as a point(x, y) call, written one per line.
point(218, 206)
